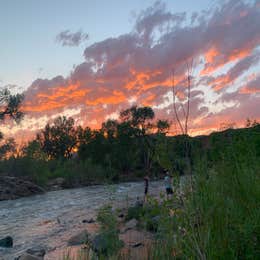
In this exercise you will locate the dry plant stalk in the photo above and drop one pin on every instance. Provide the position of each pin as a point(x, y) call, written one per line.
point(186, 112)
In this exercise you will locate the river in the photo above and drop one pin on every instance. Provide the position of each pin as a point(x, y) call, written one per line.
point(50, 219)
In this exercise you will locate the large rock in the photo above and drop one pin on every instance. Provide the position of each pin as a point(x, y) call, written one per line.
point(36, 251)
point(79, 239)
point(14, 188)
point(131, 224)
point(56, 184)
point(27, 256)
point(6, 242)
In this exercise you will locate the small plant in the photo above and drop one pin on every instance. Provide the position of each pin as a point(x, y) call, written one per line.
point(107, 242)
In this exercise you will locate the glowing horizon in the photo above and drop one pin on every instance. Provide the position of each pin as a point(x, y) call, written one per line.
point(134, 68)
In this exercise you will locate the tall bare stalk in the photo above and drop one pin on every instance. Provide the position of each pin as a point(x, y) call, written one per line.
point(174, 104)
point(186, 112)
point(189, 72)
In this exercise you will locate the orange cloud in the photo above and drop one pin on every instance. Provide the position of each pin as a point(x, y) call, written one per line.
point(116, 98)
point(215, 60)
point(211, 54)
point(42, 106)
point(135, 65)
point(59, 97)
point(149, 101)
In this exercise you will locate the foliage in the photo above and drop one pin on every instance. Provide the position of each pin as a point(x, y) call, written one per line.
point(220, 218)
point(108, 232)
point(9, 147)
point(11, 105)
point(59, 139)
point(10, 109)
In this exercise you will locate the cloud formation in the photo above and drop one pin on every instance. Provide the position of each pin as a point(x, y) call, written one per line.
point(68, 38)
point(136, 68)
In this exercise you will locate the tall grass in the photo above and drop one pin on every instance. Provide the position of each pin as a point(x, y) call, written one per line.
point(216, 218)
point(220, 218)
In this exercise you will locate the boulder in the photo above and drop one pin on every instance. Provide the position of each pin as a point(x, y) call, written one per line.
point(79, 239)
point(14, 188)
point(27, 256)
point(6, 242)
point(56, 184)
point(131, 224)
point(36, 251)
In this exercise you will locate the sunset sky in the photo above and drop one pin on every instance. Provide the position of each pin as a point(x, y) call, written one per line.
point(92, 59)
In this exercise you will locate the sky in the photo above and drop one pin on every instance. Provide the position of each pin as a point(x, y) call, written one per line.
point(92, 59)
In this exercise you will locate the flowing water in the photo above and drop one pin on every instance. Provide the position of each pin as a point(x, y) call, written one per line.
point(49, 220)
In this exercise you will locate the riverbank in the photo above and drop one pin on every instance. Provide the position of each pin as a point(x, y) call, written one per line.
point(12, 188)
point(50, 219)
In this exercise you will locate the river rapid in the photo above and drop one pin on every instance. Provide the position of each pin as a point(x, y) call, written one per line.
point(50, 219)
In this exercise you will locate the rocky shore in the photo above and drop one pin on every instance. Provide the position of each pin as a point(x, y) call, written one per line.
point(51, 221)
point(89, 242)
point(14, 188)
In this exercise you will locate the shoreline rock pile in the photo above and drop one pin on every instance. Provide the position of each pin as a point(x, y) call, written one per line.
point(14, 188)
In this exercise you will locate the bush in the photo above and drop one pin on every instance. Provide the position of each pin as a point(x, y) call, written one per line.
point(107, 242)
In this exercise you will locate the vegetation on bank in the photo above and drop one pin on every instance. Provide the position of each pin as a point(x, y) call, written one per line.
point(126, 149)
point(215, 215)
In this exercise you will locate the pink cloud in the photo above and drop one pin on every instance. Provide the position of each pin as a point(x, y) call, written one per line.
point(138, 64)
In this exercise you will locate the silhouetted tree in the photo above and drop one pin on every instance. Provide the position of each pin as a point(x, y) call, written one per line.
point(10, 107)
point(60, 138)
point(110, 128)
point(9, 147)
point(163, 126)
point(138, 118)
point(33, 150)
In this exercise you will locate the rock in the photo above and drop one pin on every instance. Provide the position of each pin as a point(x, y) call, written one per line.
point(79, 239)
point(89, 221)
point(121, 215)
point(56, 184)
point(14, 188)
point(27, 256)
point(6, 242)
point(131, 224)
point(137, 244)
point(36, 251)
